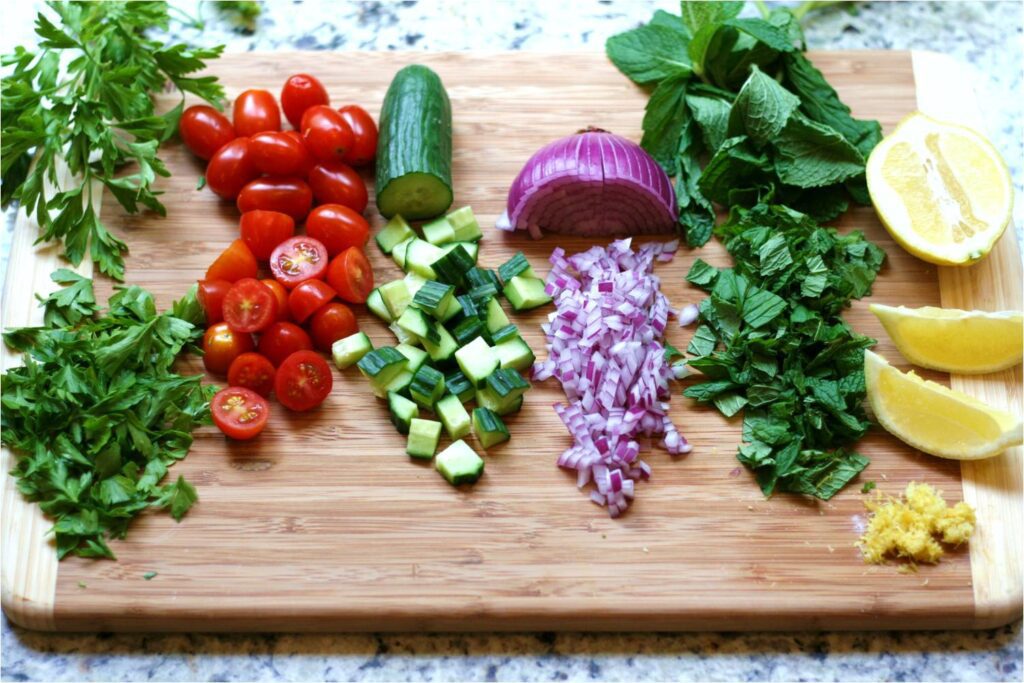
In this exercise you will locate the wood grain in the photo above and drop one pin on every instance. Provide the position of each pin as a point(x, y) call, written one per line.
point(323, 522)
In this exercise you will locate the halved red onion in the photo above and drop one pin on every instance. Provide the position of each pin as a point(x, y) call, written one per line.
point(591, 183)
point(604, 346)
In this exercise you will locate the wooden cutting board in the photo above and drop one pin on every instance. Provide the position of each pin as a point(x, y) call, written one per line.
point(324, 523)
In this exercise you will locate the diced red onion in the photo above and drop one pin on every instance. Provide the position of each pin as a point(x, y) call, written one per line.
point(604, 346)
point(688, 314)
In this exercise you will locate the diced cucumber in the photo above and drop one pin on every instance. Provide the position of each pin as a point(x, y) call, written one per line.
point(452, 266)
point(427, 386)
point(419, 257)
point(438, 231)
point(467, 330)
point(514, 353)
point(381, 365)
point(402, 412)
point(477, 361)
point(453, 416)
point(456, 384)
point(525, 292)
point(434, 298)
point(507, 384)
point(418, 323)
point(459, 464)
point(348, 351)
point(477, 276)
point(471, 248)
point(444, 349)
point(416, 357)
point(467, 306)
point(414, 281)
point(375, 302)
point(517, 265)
point(481, 293)
point(467, 229)
point(453, 309)
point(504, 334)
point(490, 430)
point(399, 384)
point(486, 398)
point(395, 231)
point(400, 250)
point(423, 438)
point(403, 336)
point(396, 297)
point(495, 316)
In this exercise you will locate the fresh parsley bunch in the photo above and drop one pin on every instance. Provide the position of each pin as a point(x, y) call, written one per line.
point(738, 115)
point(97, 414)
point(85, 99)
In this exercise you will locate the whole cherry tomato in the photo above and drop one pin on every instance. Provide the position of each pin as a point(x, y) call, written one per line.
point(291, 196)
point(327, 135)
point(211, 298)
point(307, 298)
point(239, 412)
point(233, 264)
point(222, 345)
point(281, 294)
point(300, 92)
point(338, 227)
point(364, 130)
point(330, 323)
point(303, 381)
point(351, 276)
point(264, 230)
point(256, 111)
point(230, 168)
point(252, 371)
point(333, 182)
point(297, 136)
point(204, 130)
point(279, 154)
point(298, 259)
point(249, 306)
point(281, 340)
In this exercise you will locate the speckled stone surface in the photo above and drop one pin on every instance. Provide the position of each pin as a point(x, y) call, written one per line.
point(988, 35)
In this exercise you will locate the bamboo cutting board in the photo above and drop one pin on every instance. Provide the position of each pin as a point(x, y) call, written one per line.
point(323, 522)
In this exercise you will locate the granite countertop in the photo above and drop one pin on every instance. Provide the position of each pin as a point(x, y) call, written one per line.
point(987, 35)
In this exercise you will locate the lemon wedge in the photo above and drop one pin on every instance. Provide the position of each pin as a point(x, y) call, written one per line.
point(941, 190)
point(935, 419)
point(948, 339)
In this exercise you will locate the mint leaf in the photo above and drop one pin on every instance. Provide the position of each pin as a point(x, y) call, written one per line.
point(697, 15)
point(772, 36)
point(650, 53)
point(664, 118)
point(813, 155)
point(734, 166)
point(712, 114)
point(761, 109)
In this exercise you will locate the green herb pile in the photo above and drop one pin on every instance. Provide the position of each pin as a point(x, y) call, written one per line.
point(97, 415)
point(739, 116)
point(85, 99)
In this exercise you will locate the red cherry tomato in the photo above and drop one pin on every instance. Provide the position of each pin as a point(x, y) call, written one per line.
point(256, 111)
point(303, 381)
point(264, 230)
point(327, 135)
point(281, 340)
point(332, 322)
point(310, 161)
point(298, 259)
point(351, 276)
point(230, 168)
point(286, 195)
point(364, 131)
point(234, 263)
point(252, 371)
point(238, 412)
point(222, 345)
point(204, 130)
point(300, 92)
point(249, 306)
point(307, 297)
point(211, 298)
point(338, 227)
point(279, 154)
point(333, 182)
point(281, 294)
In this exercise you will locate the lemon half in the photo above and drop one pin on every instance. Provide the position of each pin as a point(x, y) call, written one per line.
point(935, 419)
point(941, 190)
point(948, 339)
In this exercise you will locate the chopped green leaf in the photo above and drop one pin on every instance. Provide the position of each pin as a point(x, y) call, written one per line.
point(868, 487)
point(149, 575)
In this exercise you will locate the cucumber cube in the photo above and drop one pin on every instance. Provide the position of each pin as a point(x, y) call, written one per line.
point(490, 430)
point(477, 361)
point(525, 292)
point(434, 298)
point(427, 387)
point(400, 251)
point(453, 416)
point(423, 438)
point(517, 265)
point(416, 357)
point(495, 315)
point(396, 297)
point(443, 349)
point(459, 464)
point(515, 354)
point(375, 302)
point(419, 257)
point(347, 352)
point(467, 228)
point(438, 232)
point(456, 384)
point(395, 232)
point(402, 411)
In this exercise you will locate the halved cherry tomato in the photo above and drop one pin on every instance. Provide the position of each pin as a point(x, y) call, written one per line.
point(239, 412)
point(222, 345)
point(256, 111)
point(230, 169)
point(252, 371)
point(298, 259)
point(338, 227)
point(300, 92)
point(204, 130)
point(307, 297)
point(332, 322)
point(351, 276)
point(281, 294)
point(279, 154)
point(211, 298)
point(263, 230)
point(233, 264)
point(303, 381)
point(327, 135)
point(364, 131)
point(281, 340)
point(249, 306)
point(333, 182)
point(286, 195)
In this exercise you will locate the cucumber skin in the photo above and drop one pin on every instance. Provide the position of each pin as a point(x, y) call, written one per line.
point(415, 131)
